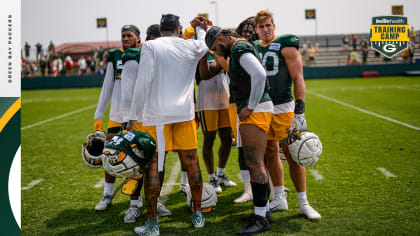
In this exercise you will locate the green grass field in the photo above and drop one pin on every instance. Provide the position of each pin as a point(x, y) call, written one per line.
point(353, 197)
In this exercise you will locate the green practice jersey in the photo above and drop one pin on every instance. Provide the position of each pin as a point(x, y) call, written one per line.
point(240, 81)
point(115, 57)
point(131, 54)
point(126, 142)
point(276, 68)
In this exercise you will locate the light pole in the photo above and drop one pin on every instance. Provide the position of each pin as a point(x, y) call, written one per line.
point(216, 11)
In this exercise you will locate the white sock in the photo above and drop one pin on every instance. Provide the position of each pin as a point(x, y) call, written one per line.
point(134, 202)
point(246, 177)
point(261, 211)
point(278, 192)
point(211, 176)
point(184, 177)
point(220, 171)
point(267, 206)
point(302, 198)
point(108, 188)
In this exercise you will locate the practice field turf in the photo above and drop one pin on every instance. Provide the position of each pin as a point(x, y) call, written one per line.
point(367, 181)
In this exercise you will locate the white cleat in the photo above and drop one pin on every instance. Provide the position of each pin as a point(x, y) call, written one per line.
point(245, 197)
point(132, 214)
point(104, 203)
point(279, 204)
point(161, 210)
point(184, 188)
point(309, 212)
point(225, 181)
point(215, 183)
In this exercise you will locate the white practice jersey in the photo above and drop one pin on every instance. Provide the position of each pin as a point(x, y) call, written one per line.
point(110, 88)
point(213, 94)
point(165, 82)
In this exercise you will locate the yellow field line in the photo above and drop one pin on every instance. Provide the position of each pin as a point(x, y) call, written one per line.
point(9, 114)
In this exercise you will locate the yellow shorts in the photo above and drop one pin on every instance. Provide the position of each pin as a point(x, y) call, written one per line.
point(260, 119)
point(212, 120)
point(113, 126)
point(233, 118)
point(279, 127)
point(178, 136)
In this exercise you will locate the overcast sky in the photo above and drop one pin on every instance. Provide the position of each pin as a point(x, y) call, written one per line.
point(75, 20)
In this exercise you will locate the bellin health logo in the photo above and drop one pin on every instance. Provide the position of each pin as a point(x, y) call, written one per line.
point(389, 34)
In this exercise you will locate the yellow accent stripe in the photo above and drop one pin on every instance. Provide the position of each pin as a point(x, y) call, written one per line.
point(10, 113)
point(262, 44)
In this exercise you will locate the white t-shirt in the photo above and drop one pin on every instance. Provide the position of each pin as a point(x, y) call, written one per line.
point(82, 63)
point(213, 94)
point(165, 82)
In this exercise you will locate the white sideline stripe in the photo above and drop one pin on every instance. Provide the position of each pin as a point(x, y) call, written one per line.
point(364, 111)
point(167, 188)
point(59, 117)
point(63, 99)
point(316, 174)
point(100, 183)
point(386, 172)
point(33, 183)
point(363, 88)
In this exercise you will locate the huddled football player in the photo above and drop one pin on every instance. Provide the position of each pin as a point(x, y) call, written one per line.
point(249, 90)
point(112, 87)
point(163, 98)
point(213, 107)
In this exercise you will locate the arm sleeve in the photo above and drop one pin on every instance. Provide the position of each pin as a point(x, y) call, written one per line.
point(106, 92)
point(128, 81)
point(143, 81)
point(200, 43)
point(254, 68)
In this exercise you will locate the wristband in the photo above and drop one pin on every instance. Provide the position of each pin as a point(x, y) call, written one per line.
point(299, 107)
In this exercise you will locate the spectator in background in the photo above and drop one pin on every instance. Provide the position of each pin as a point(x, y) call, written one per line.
point(100, 53)
point(364, 47)
point(60, 66)
point(354, 41)
point(68, 64)
point(311, 54)
point(27, 50)
point(411, 51)
point(345, 43)
point(91, 63)
point(315, 45)
point(354, 58)
point(54, 66)
point(405, 55)
point(51, 49)
point(82, 65)
point(413, 34)
point(43, 65)
point(305, 47)
point(38, 51)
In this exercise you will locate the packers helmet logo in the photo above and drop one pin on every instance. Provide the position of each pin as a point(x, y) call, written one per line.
point(389, 35)
point(389, 48)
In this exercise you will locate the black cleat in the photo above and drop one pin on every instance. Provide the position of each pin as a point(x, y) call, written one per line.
point(248, 218)
point(258, 224)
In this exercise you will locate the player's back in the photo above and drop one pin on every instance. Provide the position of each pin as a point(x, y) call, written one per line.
point(175, 62)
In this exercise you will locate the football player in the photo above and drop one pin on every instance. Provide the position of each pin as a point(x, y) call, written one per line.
point(213, 107)
point(249, 90)
point(163, 98)
point(131, 58)
point(246, 30)
point(112, 86)
point(283, 65)
point(133, 154)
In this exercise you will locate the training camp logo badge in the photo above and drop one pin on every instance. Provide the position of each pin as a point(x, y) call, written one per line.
point(389, 34)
